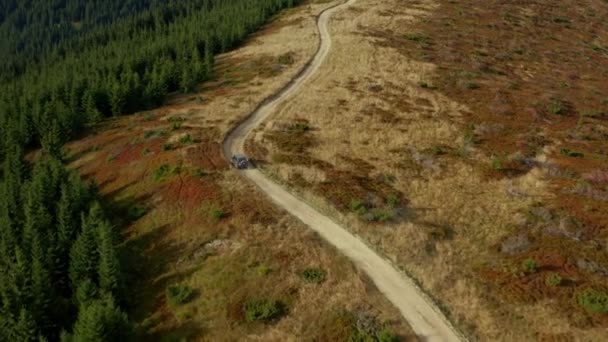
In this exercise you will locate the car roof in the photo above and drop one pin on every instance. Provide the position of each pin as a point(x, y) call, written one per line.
point(240, 156)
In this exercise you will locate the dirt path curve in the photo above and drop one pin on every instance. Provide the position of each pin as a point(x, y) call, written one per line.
point(424, 317)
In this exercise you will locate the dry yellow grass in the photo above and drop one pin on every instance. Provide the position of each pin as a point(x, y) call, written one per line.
point(371, 103)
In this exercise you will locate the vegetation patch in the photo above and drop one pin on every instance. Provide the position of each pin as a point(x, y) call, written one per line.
point(314, 275)
point(593, 301)
point(553, 280)
point(136, 212)
point(218, 214)
point(529, 266)
point(178, 295)
point(348, 326)
point(263, 310)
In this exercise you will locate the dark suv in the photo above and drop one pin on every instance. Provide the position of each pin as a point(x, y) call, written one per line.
point(239, 161)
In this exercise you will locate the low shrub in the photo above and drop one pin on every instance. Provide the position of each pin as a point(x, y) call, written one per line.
point(136, 212)
point(593, 300)
point(162, 172)
point(263, 270)
point(358, 207)
point(392, 201)
point(314, 275)
point(186, 139)
point(379, 215)
point(418, 38)
point(198, 172)
point(556, 107)
point(529, 266)
point(553, 280)
point(263, 310)
point(570, 153)
point(386, 335)
point(167, 147)
point(218, 214)
point(178, 294)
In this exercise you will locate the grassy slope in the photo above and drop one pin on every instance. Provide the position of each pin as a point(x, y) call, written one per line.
point(191, 221)
point(487, 121)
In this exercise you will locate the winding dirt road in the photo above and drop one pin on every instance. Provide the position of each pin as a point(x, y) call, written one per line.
point(424, 317)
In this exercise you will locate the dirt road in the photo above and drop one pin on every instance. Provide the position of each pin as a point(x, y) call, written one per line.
point(424, 317)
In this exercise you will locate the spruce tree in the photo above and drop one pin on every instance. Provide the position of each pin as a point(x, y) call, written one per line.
point(84, 257)
point(25, 329)
point(109, 265)
point(100, 321)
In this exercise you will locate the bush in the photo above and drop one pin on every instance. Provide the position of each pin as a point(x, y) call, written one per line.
point(162, 171)
point(553, 280)
point(198, 172)
point(218, 214)
point(529, 266)
point(186, 139)
point(314, 275)
point(392, 201)
point(379, 215)
point(569, 153)
point(418, 38)
point(358, 207)
point(263, 310)
point(149, 134)
point(178, 294)
point(556, 107)
point(167, 147)
point(136, 212)
point(263, 270)
point(593, 300)
point(386, 335)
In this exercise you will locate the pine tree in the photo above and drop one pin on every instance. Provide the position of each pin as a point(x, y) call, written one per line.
point(89, 105)
point(109, 265)
point(52, 140)
point(41, 288)
point(84, 257)
point(86, 292)
point(117, 97)
point(101, 321)
point(25, 329)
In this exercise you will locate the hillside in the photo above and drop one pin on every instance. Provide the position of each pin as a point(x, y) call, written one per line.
point(440, 162)
point(466, 141)
point(159, 240)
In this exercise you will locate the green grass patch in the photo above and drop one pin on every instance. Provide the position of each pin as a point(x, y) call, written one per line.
point(314, 275)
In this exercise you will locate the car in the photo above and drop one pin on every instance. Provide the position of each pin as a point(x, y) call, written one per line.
point(240, 162)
